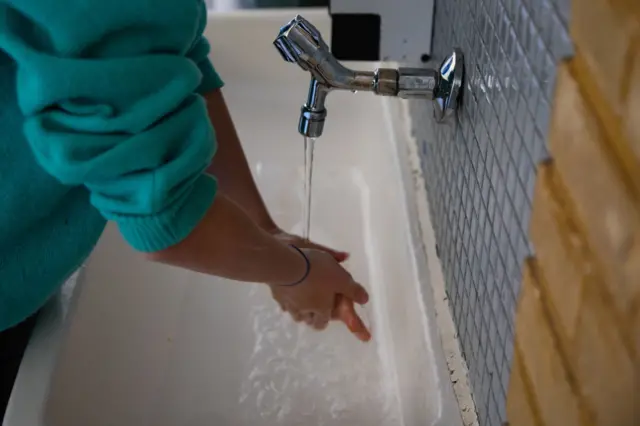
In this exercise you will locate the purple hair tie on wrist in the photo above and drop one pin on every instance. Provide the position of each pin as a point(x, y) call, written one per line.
point(306, 272)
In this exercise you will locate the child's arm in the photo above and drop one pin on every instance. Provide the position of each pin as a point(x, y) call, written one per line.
point(109, 94)
point(230, 164)
point(109, 90)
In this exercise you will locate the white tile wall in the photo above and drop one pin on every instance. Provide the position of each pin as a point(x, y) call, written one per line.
point(480, 170)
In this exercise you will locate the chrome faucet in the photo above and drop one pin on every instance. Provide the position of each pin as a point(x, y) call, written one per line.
point(300, 42)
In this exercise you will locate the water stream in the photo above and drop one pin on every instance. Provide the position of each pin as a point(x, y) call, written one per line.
point(309, 144)
point(298, 376)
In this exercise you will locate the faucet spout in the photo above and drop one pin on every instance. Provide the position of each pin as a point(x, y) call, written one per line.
point(313, 112)
point(301, 43)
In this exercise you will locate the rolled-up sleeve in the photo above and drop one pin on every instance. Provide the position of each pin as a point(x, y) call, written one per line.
point(200, 55)
point(110, 97)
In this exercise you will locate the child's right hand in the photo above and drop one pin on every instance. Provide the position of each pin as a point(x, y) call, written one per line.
point(327, 294)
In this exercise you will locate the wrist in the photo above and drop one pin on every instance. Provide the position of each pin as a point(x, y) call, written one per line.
point(295, 268)
point(307, 267)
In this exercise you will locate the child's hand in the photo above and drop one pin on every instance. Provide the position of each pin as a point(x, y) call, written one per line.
point(298, 241)
point(344, 308)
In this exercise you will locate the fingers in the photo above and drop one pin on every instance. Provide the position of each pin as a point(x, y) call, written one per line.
point(339, 256)
point(308, 318)
point(345, 312)
point(355, 292)
point(320, 322)
point(314, 320)
point(297, 316)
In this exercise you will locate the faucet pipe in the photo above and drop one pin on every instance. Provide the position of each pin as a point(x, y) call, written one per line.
point(300, 42)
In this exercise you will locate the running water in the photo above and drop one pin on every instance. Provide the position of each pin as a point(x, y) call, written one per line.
point(309, 144)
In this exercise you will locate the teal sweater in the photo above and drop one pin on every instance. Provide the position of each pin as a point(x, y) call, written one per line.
point(101, 118)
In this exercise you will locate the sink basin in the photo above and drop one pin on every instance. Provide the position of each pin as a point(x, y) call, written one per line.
point(147, 344)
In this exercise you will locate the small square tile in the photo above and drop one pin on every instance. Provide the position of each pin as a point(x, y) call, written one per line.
point(504, 374)
point(488, 233)
point(496, 306)
point(502, 406)
point(486, 385)
point(493, 334)
point(496, 386)
point(501, 325)
point(542, 115)
point(503, 244)
point(484, 340)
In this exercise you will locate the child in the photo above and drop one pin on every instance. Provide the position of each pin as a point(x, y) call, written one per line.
point(107, 111)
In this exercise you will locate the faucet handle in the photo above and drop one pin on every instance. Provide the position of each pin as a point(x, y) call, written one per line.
point(298, 41)
point(283, 45)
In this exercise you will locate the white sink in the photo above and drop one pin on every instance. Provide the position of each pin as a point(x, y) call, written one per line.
point(146, 344)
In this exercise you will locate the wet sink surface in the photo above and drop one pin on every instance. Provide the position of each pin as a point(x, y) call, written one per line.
point(148, 344)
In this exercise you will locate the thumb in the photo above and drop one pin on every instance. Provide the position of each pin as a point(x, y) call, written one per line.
point(355, 292)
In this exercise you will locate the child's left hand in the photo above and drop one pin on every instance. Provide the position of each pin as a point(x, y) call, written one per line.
point(344, 309)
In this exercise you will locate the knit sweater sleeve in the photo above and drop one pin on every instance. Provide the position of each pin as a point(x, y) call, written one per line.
point(110, 92)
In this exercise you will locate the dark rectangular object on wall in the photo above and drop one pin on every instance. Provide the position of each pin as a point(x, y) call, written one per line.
point(355, 37)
